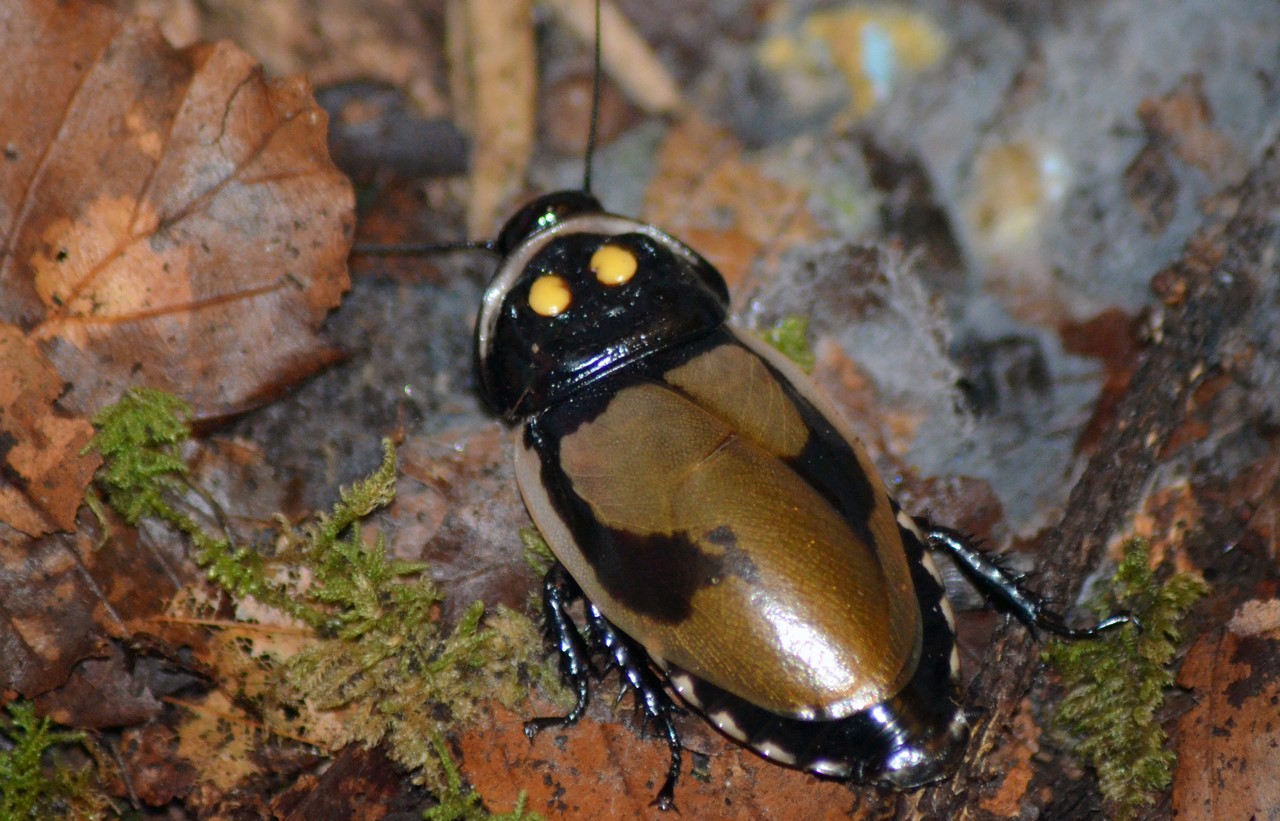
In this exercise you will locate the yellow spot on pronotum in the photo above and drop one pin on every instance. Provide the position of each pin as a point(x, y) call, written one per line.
point(550, 295)
point(613, 265)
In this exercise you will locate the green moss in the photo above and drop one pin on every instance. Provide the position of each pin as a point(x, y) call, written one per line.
point(1116, 684)
point(140, 439)
point(353, 583)
point(143, 475)
point(384, 657)
point(381, 654)
point(790, 335)
point(32, 785)
point(406, 681)
point(537, 553)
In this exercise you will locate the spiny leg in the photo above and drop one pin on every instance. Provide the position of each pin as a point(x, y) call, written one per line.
point(559, 592)
point(651, 696)
point(1002, 587)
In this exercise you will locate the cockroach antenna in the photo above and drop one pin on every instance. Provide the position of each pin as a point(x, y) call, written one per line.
point(595, 108)
point(418, 249)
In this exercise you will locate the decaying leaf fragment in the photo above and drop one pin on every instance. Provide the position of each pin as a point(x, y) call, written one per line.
point(65, 596)
point(169, 218)
point(1228, 759)
point(42, 472)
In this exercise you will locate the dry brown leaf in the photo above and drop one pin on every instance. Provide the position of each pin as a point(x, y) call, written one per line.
point(1228, 760)
point(218, 743)
point(1182, 122)
point(171, 218)
point(64, 595)
point(330, 41)
point(42, 472)
point(578, 772)
point(156, 775)
point(221, 747)
point(457, 508)
point(101, 693)
point(362, 784)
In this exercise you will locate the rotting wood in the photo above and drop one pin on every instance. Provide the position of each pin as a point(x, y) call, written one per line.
point(1216, 276)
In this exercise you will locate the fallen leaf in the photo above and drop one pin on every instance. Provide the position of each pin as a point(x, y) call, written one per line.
point(457, 508)
point(337, 41)
point(576, 771)
point(156, 775)
point(101, 693)
point(171, 218)
point(1181, 122)
point(1228, 760)
point(65, 595)
point(362, 784)
point(218, 743)
point(42, 471)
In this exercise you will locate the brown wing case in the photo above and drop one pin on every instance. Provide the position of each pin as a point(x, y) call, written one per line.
point(721, 517)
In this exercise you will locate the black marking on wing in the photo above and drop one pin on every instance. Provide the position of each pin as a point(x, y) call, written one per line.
point(653, 574)
point(736, 561)
point(658, 575)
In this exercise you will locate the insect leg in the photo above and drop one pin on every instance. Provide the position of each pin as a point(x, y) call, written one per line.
point(1003, 589)
point(651, 696)
point(559, 592)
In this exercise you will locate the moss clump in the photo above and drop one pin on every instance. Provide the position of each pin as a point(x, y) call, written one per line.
point(537, 553)
point(140, 439)
point(380, 655)
point(144, 476)
point(32, 786)
point(790, 335)
point(1116, 684)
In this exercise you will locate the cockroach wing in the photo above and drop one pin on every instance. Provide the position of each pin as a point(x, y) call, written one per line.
point(721, 518)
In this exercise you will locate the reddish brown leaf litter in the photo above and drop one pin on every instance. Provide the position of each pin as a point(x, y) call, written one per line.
point(599, 768)
point(42, 471)
point(362, 784)
point(156, 775)
point(64, 597)
point(1226, 744)
point(457, 508)
point(170, 218)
